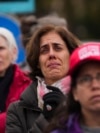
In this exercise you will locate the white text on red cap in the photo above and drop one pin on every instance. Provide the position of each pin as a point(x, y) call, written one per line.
point(89, 51)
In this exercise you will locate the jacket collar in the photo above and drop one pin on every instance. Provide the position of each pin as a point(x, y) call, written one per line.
point(29, 96)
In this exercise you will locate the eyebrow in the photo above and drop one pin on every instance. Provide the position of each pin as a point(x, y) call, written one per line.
point(43, 46)
point(54, 43)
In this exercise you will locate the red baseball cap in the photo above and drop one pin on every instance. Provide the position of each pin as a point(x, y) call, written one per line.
point(89, 51)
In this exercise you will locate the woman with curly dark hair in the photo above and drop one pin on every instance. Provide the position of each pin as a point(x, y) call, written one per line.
point(48, 55)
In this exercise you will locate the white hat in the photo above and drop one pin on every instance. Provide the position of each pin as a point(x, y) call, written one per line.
point(10, 38)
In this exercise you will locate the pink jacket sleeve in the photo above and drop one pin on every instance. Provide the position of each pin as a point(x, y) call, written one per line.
point(2, 122)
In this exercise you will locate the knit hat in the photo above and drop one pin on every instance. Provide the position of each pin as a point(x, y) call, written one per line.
point(9, 37)
point(89, 51)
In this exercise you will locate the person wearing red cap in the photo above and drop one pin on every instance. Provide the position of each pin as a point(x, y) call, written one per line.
point(81, 113)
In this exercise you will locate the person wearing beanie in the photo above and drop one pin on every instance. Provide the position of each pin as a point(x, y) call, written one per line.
point(81, 113)
point(12, 80)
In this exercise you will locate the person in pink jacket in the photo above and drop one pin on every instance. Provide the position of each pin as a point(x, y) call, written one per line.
point(12, 79)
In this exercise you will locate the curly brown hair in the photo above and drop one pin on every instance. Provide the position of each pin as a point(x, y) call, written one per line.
point(33, 47)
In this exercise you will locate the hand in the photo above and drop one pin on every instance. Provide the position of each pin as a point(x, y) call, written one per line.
point(52, 101)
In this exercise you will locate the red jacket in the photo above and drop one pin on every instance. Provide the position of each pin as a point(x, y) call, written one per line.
point(19, 84)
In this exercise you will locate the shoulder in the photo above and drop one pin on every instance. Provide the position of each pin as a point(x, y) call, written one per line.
point(13, 106)
point(12, 111)
point(21, 75)
point(15, 110)
point(18, 70)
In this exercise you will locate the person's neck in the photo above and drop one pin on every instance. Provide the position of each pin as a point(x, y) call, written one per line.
point(50, 81)
point(91, 119)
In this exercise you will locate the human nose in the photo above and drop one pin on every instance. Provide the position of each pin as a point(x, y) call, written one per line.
point(51, 53)
point(95, 83)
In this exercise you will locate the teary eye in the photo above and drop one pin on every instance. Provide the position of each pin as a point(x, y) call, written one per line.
point(58, 47)
point(44, 49)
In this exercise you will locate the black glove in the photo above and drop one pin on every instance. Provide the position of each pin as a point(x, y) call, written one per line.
point(52, 101)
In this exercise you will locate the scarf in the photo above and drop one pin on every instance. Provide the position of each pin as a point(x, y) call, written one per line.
point(63, 85)
point(5, 83)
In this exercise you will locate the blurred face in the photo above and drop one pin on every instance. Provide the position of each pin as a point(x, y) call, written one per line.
point(87, 90)
point(54, 57)
point(5, 56)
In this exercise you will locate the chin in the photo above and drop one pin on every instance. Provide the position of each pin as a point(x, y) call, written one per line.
point(56, 77)
point(96, 108)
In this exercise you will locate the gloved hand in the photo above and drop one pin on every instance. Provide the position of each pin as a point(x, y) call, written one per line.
point(52, 101)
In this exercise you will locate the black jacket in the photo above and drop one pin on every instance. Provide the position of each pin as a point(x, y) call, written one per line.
point(24, 115)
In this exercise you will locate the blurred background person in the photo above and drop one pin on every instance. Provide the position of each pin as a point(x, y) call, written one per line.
point(48, 55)
point(81, 114)
point(12, 80)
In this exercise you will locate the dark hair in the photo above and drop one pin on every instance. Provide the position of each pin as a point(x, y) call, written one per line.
point(65, 110)
point(33, 47)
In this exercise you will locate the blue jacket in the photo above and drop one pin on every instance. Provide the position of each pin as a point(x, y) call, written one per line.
point(72, 126)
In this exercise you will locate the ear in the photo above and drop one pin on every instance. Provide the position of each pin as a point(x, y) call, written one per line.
point(14, 54)
point(75, 94)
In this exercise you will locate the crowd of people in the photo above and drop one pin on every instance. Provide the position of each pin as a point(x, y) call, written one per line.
point(59, 92)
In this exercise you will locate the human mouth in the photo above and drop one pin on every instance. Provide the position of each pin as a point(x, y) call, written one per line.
point(53, 65)
point(96, 98)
